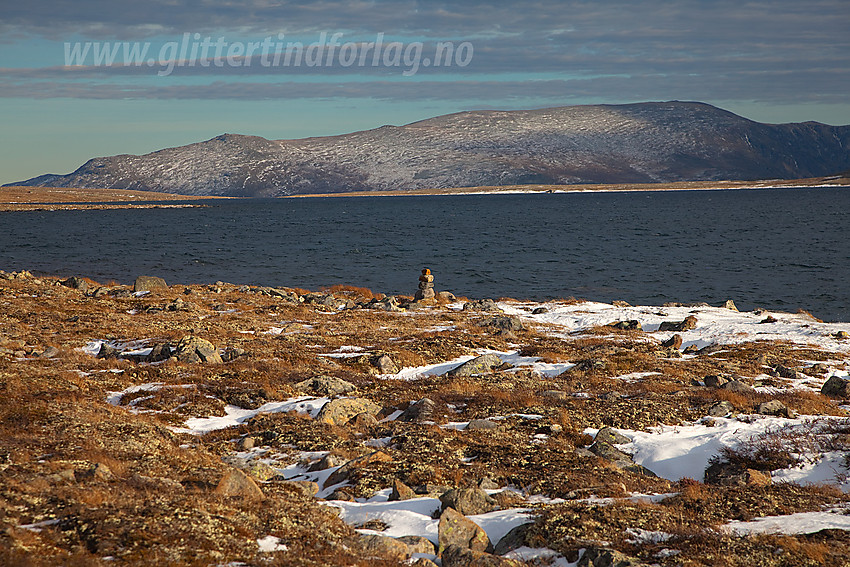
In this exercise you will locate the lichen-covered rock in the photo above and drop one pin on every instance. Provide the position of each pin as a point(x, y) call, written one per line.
point(455, 529)
point(149, 283)
point(836, 387)
point(689, 323)
point(417, 412)
point(195, 349)
point(342, 410)
point(382, 547)
point(468, 501)
point(479, 365)
point(324, 385)
point(458, 556)
point(237, 484)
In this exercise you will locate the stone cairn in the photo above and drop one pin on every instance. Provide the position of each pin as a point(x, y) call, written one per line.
point(426, 286)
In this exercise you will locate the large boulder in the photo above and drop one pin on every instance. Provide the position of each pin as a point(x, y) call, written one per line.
point(149, 283)
point(196, 349)
point(503, 323)
point(342, 410)
point(468, 501)
point(237, 484)
point(418, 412)
point(689, 323)
point(459, 556)
point(836, 387)
point(455, 529)
point(479, 365)
point(323, 385)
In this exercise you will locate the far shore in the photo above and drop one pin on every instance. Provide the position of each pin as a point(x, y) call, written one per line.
point(25, 198)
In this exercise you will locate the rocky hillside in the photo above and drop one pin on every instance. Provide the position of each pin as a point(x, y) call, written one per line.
point(635, 143)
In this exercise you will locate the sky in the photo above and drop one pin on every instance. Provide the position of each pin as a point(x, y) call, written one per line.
point(87, 78)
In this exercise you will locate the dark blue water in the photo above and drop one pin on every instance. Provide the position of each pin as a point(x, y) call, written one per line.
point(780, 248)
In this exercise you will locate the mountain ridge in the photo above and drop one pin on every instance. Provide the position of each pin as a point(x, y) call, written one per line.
point(631, 143)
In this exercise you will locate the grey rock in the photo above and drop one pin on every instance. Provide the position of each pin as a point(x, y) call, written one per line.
point(721, 409)
point(422, 410)
point(326, 462)
point(773, 407)
point(540, 310)
point(107, 351)
point(611, 436)
point(610, 453)
point(341, 410)
point(458, 556)
point(673, 342)
point(76, 283)
point(715, 380)
point(512, 540)
point(324, 385)
point(418, 544)
point(384, 364)
point(601, 557)
point(487, 483)
point(237, 484)
point(737, 386)
point(195, 349)
point(382, 547)
point(479, 365)
point(503, 323)
point(482, 305)
point(159, 352)
point(446, 296)
point(836, 387)
point(401, 491)
point(481, 425)
point(631, 325)
point(149, 283)
point(455, 529)
point(468, 501)
point(689, 323)
point(49, 352)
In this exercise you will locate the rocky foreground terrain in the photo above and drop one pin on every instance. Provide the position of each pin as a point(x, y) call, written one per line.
point(633, 143)
point(234, 425)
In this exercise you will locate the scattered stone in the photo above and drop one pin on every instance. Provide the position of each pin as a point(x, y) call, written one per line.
point(540, 310)
point(423, 410)
point(620, 303)
point(729, 305)
point(49, 352)
point(260, 471)
point(601, 557)
point(246, 443)
point(468, 501)
point(773, 407)
point(841, 335)
point(341, 410)
point(418, 544)
point(426, 286)
point(715, 381)
point(193, 349)
point(512, 540)
point(237, 484)
point(384, 364)
point(721, 409)
point(341, 474)
point(233, 353)
point(481, 425)
point(454, 529)
point(768, 319)
point(76, 283)
point(554, 394)
point(479, 365)
point(482, 305)
point(503, 323)
point(446, 296)
point(380, 547)
point(610, 453)
point(689, 323)
point(836, 387)
point(98, 471)
point(401, 491)
point(818, 369)
point(737, 386)
point(363, 421)
point(107, 351)
point(326, 462)
point(487, 483)
point(690, 349)
point(631, 325)
point(324, 385)
point(785, 372)
point(159, 352)
point(305, 488)
point(673, 342)
point(724, 473)
point(149, 283)
point(611, 436)
point(458, 556)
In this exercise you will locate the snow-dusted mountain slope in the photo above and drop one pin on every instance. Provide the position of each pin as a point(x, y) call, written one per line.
point(646, 142)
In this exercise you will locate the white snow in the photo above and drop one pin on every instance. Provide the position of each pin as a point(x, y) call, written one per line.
point(235, 415)
point(800, 523)
point(270, 544)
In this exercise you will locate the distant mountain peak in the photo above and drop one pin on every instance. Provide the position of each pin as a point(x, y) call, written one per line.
point(629, 143)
